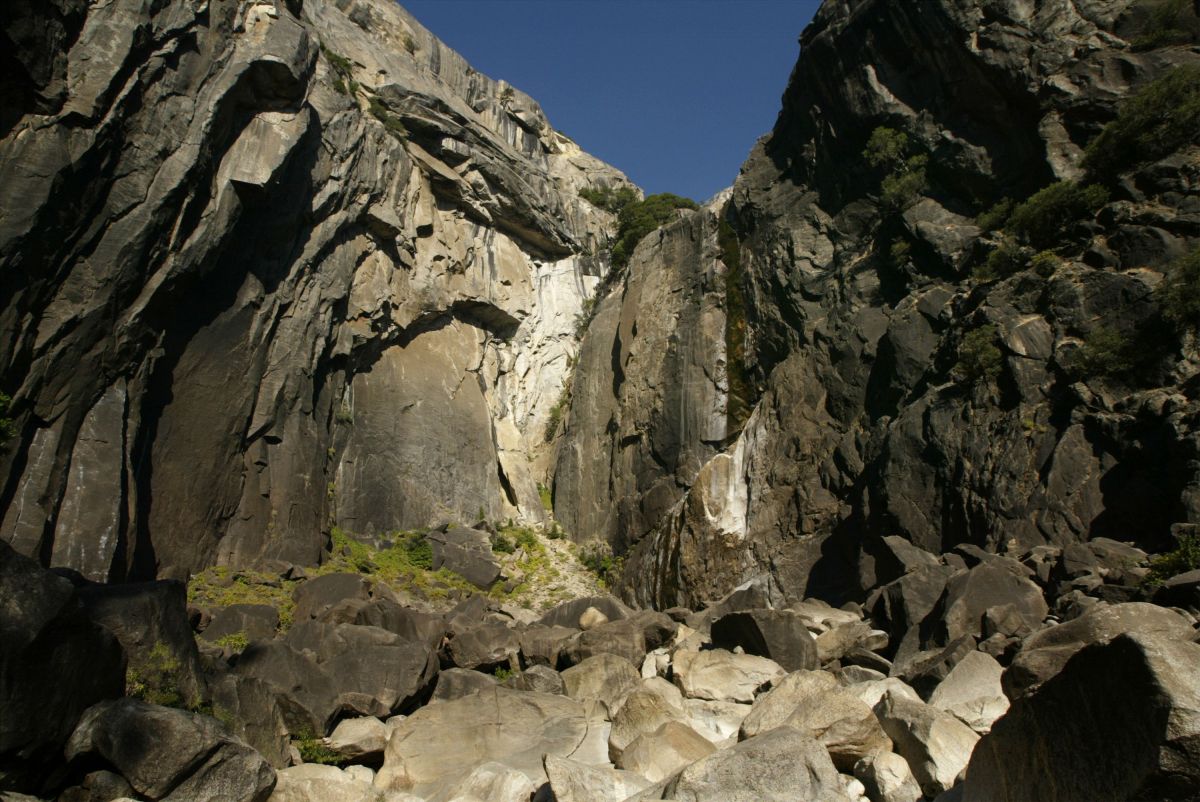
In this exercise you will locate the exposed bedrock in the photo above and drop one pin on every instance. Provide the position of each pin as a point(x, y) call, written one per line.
point(857, 310)
point(269, 267)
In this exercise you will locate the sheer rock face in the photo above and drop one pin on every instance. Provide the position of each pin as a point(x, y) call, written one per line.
point(270, 264)
point(862, 427)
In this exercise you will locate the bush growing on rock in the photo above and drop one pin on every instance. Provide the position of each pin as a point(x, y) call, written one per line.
point(636, 220)
point(1105, 352)
point(7, 429)
point(610, 199)
point(1183, 558)
point(890, 149)
point(1043, 218)
point(978, 357)
point(1166, 22)
point(156, 679)
point(1179, 294)
point(1160, 118)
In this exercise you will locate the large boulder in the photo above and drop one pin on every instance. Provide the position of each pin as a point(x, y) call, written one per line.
point(360, 740)
point(936, 745)
point(376, 672)
point(990, 584)
point(487, 782)
point(249, 622)
point(150, 619)
point(780, 635)
point(169, 754)
point(455, 683)
point(568, 613)
point(55, 663)
point(903, 605)
point(573, 781)
point(1121, 720)
point(886, 777)
point(466, 552)
point(315, 598)
point(440, 744)
point(313, 782)
point(843, 725)
point(723, 676)
point(544, 644)
point(484, 647)
point(781, 765)
point(410, 624)
point(972, 692)
point(772, 709)
point(652, 704)
point(251, 710)
point(630, 637)
point(304, 690)
point(605, 677)
point(659, 754)
point(1045, 653)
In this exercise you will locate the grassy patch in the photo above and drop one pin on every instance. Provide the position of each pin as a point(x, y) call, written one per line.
point(597, 556)
point(219, 587)
point(554, 419)
point(234, 641)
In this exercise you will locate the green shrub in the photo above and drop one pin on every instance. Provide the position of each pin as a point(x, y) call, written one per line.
point(409, 43)
point(638, 219)
point(502, 673)
point(314, 750)
point(1043, 218)
point(995, 217)
point(1183, 558)
point(1157, 120)
point(1179, 293)
point(392, 122)
point(546, 496)
point(610, 199)
point(1005, 259)
point(890, 149)
point(597, 556)
point(1168, 22)
point(7, 429)
point(902, 187)
point(978, 357)
point(501, 544)
point(1105, 352)
point(558, 410)
point(899, 251)
point(1045, 263)
point(154, 678)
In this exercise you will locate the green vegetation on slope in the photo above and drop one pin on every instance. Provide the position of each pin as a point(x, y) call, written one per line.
point(978, 357)
point(1157, 120)
point(610, 199)
point(636, 220)
point(7, 429)
point(905, 180)
point(1179, 294)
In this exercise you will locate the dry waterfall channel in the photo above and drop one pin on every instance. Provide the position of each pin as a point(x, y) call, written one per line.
point(362, 439)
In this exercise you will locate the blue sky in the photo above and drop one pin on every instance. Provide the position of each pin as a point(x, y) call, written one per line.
point(672, 92)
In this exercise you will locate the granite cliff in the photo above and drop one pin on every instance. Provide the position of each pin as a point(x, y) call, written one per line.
point(271, 267)
point(808, 394)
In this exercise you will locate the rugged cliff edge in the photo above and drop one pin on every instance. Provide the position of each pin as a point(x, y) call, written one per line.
point(854, 287)
point(268, 267)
